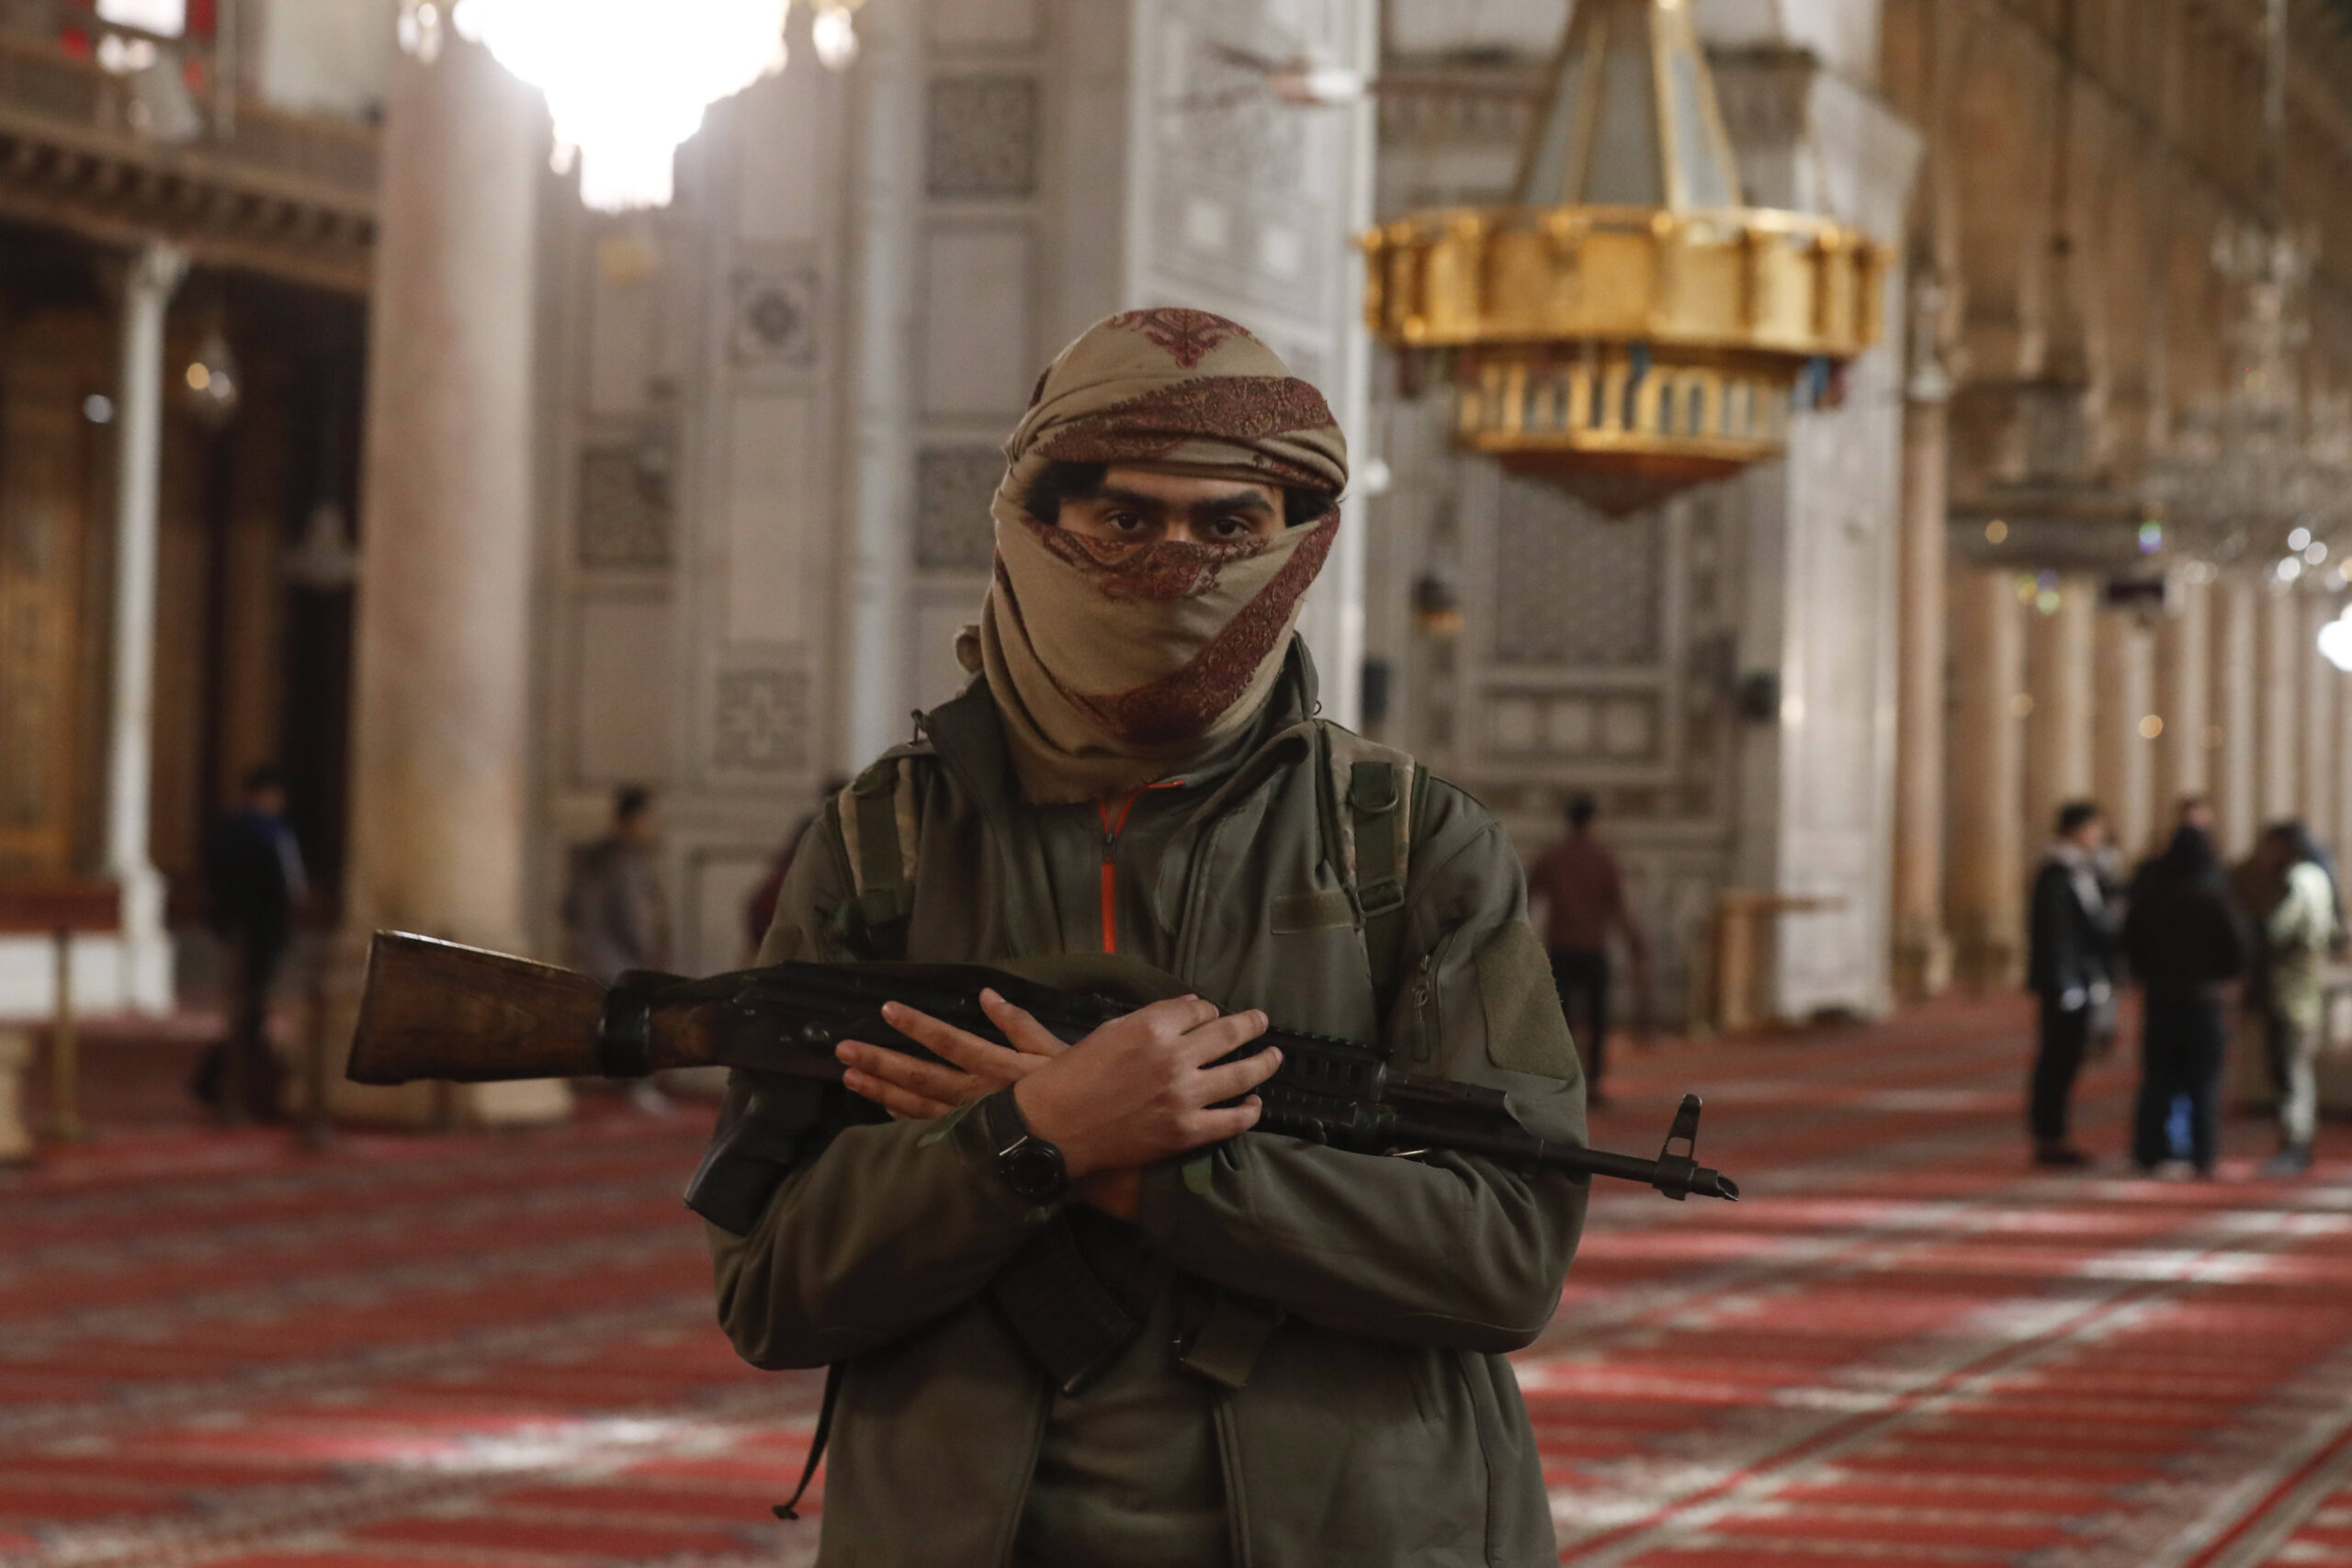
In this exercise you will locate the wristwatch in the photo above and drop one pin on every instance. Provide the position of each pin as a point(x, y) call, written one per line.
point(1030, 1168)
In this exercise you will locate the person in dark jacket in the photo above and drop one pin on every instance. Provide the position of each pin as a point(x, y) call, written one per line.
point(252, 868)
point(2072, 941)
point(2185, 942)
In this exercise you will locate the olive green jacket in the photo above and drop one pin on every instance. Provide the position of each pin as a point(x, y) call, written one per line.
point(1367, 1416)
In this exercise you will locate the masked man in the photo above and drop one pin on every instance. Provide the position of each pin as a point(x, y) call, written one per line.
point(1138, 770)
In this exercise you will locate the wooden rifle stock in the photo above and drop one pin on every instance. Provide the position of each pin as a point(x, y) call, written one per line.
point(436, 1010)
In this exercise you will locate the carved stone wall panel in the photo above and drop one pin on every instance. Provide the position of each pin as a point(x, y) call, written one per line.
point(984, 23)
point(625, 506)
point(952, 488)
point(981, 137)
point(773, 314)
point(1574, 587)
point(776, 537)
point(626, 667)
point(761, 721)
point(978, 286)
point(719, 878)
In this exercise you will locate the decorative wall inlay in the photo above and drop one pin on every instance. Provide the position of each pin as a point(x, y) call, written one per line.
point(774, 316)
point(982, 138)
point(1596, 727)
point(762, 721)
point(952, 488)
point(625, 506)
point(1574, 587)
point(1232, 131)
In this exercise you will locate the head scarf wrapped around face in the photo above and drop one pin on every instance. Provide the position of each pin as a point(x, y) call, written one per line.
point(1113, 664)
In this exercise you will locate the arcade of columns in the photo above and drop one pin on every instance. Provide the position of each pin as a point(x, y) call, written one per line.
point(2026, 683)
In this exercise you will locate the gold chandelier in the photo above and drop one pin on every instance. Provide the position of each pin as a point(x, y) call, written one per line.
point(1627, 327)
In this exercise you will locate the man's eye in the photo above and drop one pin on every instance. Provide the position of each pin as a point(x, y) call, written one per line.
point(1229, 527)
point(1125, 521)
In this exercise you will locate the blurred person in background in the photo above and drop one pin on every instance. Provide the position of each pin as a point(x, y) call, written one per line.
point(2071, 946)
point(2287, 893)
point(1582, 893)
point(614, 917)
point(252, 869)
point(2185, 944)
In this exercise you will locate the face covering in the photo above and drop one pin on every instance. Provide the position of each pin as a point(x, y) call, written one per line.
point(1115, 665)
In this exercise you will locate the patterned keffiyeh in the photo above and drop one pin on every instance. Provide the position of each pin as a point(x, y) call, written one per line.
point(1115, 665)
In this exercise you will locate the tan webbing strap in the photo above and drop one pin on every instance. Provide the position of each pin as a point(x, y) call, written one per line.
point(1376, 811)
point(878, 858)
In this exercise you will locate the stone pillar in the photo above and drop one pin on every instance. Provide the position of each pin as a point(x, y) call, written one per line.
point(2339, 828)
point(2184, 659)
point(148, 285)
point(442, 702)
point(2278, 704)
point(2058, 724)
point(2123, 739)
point(1985, 874)
point(1922, 948)
point(2233, 728)
point(2316, 682)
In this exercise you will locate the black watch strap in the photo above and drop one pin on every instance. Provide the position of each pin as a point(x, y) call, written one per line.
point(1030, 1168)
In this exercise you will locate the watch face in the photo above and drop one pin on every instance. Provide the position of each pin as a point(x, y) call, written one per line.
point(1033, 1170)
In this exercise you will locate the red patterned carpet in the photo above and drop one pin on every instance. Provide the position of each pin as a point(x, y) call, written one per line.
point(1904, 1347)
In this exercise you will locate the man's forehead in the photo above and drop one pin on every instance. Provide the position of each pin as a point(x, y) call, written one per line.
point(1185, 489)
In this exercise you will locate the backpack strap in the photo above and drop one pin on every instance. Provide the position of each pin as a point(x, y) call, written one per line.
point(1376, 793)
point(881, 835)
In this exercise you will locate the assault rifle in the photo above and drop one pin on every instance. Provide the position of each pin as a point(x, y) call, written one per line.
point(435, 1009)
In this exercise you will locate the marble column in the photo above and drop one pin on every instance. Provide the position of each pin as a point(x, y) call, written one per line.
point(147, 289)
point(2278, 704)
point(442, 702)
point(2316, 680)
point(2183, 684)
point(2233, 727)
point(2122, 748)
point(2338, 827)
point(1922, 948)
point(2058, 725)
point(1984, 769)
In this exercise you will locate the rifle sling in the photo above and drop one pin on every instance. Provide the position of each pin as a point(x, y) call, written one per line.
point(790, 1507)
point(1071, 1322)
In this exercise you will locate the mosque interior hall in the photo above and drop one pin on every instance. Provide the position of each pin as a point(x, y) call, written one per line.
point(1855, 496)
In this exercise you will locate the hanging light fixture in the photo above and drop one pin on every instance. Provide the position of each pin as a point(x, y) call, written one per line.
point(2058, 507)
point(1626, 327)
point(627, 81)
point(2262, 474)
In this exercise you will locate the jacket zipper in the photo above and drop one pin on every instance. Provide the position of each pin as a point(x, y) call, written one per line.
point(1112, 829)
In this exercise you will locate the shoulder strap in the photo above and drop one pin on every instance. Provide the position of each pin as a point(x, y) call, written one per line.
point(879, 830)
point(1376, 793)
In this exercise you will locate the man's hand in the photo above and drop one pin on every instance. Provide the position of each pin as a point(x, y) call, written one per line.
point(1141, 1088)
point(915, 1090)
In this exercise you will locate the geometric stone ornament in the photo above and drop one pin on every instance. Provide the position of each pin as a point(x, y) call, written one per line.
point(761, 723)
point(1575, 589)
point(775, 320)
point(952, 488)
point(981, 142)
point(624, 508)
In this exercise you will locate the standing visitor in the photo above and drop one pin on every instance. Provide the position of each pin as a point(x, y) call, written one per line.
point(2291, 901)
point(614, 915)
point(252, 869)
point(2072, 939)
point(1583, 894)
point(2184, 943)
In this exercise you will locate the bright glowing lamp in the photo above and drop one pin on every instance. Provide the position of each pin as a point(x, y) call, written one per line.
point(167, 18)
point(2335, 643)
point(627, 81)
